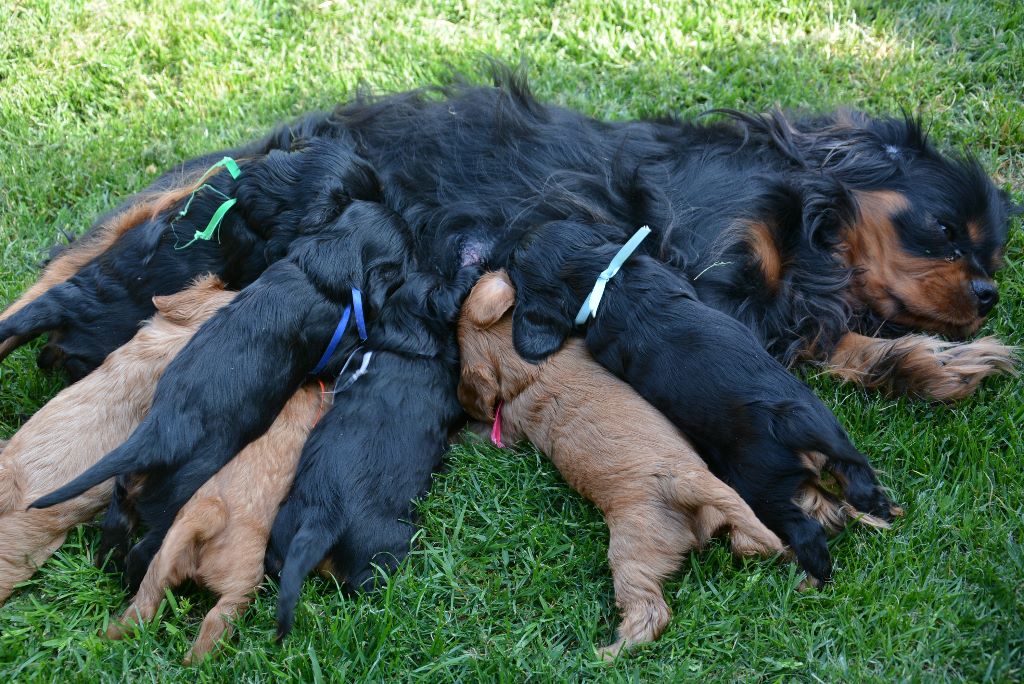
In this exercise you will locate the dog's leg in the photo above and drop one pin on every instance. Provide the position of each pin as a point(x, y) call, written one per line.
point(216, 626)
point(921, 365)
point(173, 563)
point(27, 539)
point(233, 568)
point(699, 489)
point(646, 545)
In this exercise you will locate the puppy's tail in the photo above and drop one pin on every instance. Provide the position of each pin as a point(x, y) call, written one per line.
point(45, 313)
point(306, 550)
point(120, 460)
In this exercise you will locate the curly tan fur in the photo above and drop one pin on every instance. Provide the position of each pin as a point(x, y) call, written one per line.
point(219, 537)
point(658, 498)
point(80, 425)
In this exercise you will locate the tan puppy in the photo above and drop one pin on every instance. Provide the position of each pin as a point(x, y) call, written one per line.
point(83, 423)
point(219, 537)
point(658, 498)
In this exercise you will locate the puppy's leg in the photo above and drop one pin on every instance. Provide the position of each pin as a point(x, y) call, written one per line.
point(921, 365)
point(173, 563)
point(234, 569)
point(646, 545)
point(27, 539)
point(697, 488)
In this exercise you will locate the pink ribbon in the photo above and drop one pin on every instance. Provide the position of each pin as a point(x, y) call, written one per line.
point(496, 430)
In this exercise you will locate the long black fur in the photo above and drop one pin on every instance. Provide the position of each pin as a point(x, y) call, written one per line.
point(227, 385)
point(747, 415)
point(374, 451)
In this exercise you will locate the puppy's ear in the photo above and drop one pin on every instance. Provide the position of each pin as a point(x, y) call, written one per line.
point(478, 391)
point(491, 297)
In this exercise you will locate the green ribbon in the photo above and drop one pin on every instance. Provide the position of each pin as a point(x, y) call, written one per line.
point(218, 216)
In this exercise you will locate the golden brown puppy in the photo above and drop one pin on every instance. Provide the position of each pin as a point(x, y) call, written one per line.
point(83, 423)
point(218, 539)
point(658, 498)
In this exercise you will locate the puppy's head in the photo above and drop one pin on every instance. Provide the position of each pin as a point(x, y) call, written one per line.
point(553, 268)
point(195, 303)
point(482, 345)
point(369, 247)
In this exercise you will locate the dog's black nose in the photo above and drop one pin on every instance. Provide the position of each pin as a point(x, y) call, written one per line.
point(987, 295)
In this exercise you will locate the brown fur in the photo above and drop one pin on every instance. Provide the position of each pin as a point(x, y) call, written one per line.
point(923, 293)
point(78, 254)
point(765, 252)
point(219, 537)
point(80, 425)
point(920, 365)
point(658, 498)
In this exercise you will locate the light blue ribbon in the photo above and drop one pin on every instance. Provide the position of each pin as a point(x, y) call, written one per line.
point(589, 307)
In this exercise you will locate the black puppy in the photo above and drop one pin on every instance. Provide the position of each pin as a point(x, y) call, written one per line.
point(99, 307)
point(749, 418)
point(225, 388)
point(375, 450)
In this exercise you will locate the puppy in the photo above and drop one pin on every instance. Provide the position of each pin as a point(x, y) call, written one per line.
point(750, 419)
point(99, 307)
point(656, 494)
point(227, 385)
point(219, 537)
point(375, 450)
point(81, 424)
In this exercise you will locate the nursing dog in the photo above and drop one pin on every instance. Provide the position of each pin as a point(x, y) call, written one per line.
point(80, 425)
point(99, 306)
point(226, 386)
point(748, 417)
point(374, 452)
point(657, 496)
point(219, 537)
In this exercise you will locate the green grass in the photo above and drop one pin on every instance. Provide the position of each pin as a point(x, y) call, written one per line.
point(508, 580)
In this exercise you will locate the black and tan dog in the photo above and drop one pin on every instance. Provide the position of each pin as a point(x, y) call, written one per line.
point(834, 238)
point(227, 385)
point(658, 497)
point(374, 452)
point(749, 418)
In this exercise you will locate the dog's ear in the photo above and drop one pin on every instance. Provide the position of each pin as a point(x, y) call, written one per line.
point(542, 318)
point(492, 296)
point(478, 391)
point(181, 307)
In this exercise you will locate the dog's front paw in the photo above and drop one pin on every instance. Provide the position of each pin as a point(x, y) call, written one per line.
point(922, 365)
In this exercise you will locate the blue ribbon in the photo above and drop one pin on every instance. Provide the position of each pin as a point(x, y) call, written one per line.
point(357, 302)
point(338, 332)
point(589, 307)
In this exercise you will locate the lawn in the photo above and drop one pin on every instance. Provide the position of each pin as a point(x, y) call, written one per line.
point(508, 579)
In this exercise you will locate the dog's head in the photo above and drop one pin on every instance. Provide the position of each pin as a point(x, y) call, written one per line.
point(927, 230)
point(553, 269)
point(484, 342)
point(369, 247)
point(196, 303)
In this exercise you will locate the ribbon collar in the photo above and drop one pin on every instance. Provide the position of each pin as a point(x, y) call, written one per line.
point(496, 430)
point(232, 166)
point(357, 303)
point(589, 308)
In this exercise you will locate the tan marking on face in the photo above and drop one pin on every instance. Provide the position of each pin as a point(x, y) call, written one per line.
point(763, 249)
point(925, 293)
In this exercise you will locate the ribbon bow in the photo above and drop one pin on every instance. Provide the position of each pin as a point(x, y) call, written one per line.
point(589, 308)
